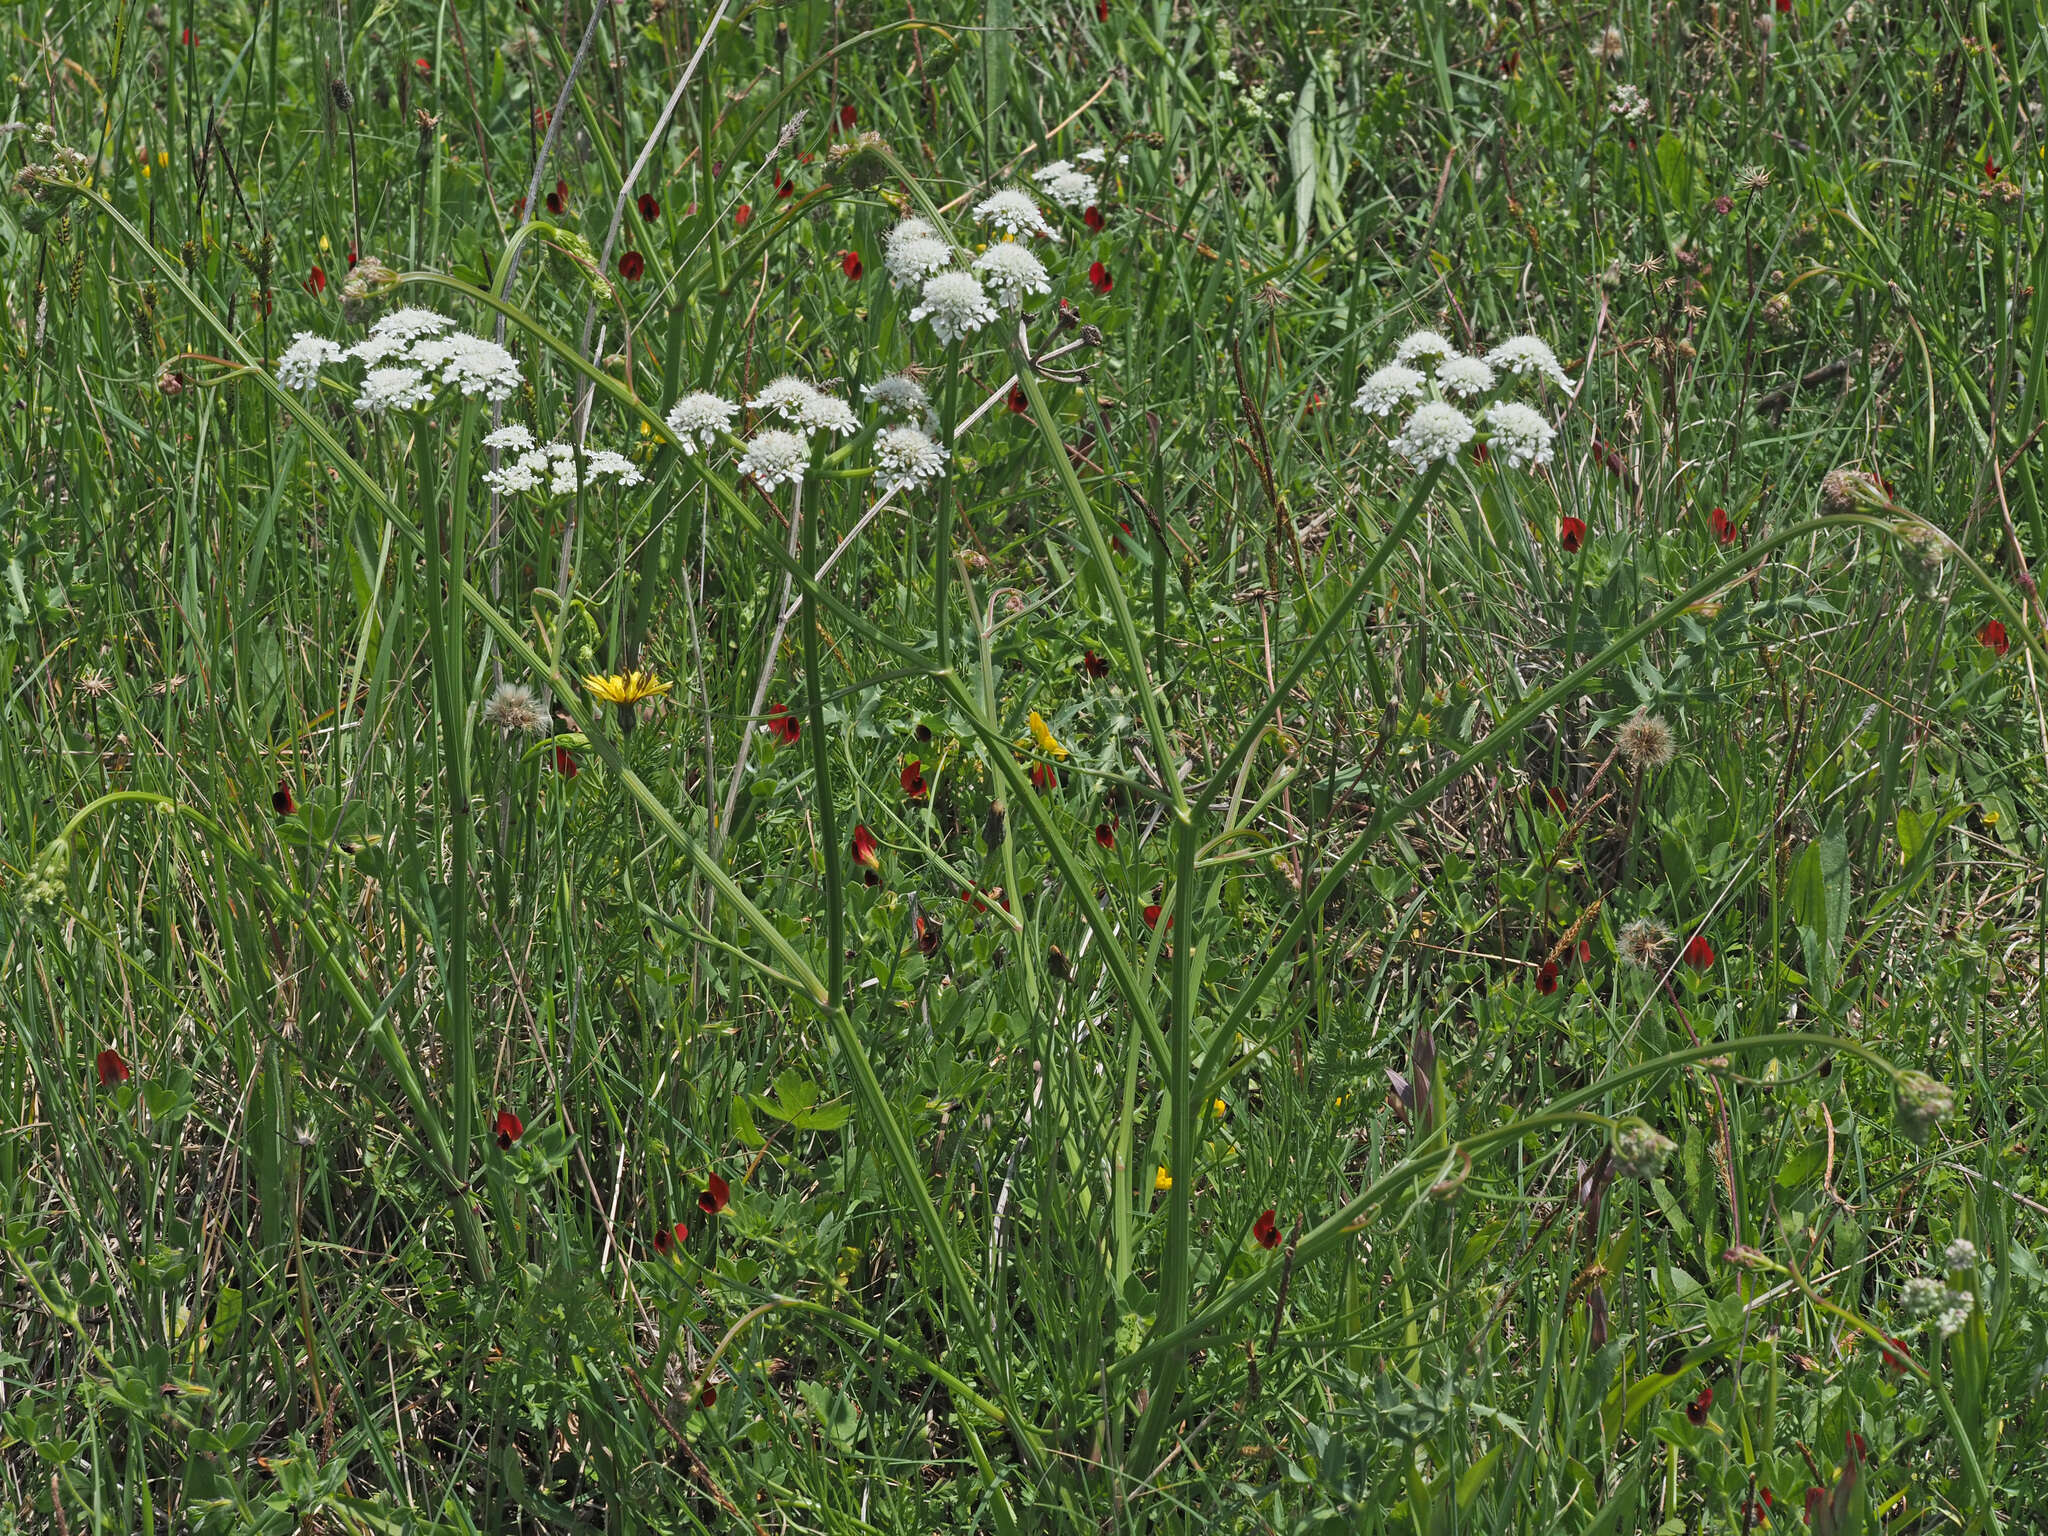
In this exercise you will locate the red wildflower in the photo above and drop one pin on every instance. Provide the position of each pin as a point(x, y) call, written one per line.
point(1699, 954)
point(650, 207)
point(565, 763)
point(1152, 916)
point(316, 281)
point(716, 1197)
point(741, 214)
point(281, 799)
point(1546, 978)
point(1815, 1497)
point(667, 1241)
point(1784, 7)
point(1557, 799)
point(1094, 665)
point(1105, 834)
point(1480, 455)
point(1102, 10)
point(1511, 65)
point(707, 1397)
point(866, 851)
point(1696, 1410)
point(995, 893)
point(1724, 526)
point(423, 66)
point(1099, 278)
point(1019, 401)
point(1993, 635)
point(1895, 1355)
point(1585, 951)
point(509, 1128)
point(631, 265)
point(185, 37)
point(1266, 1230)
point(848, 116)
point(111, 1068)
point(1092, 217)
point(1571, 533)
point(784, 726)
point(559, 198)
point(849, 263)
point(1044, 777)
point(912, 779)
point(928, 934)
point(783, 188)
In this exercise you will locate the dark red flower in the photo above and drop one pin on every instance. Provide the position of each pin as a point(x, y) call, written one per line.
point(1102, 10)
point(664, 1242)
point(1092, 217)
point(716, 1197)
point(1993, 635)
point(1571, 533)
point(1557, 799)
point(866, 851)
point(1784, 7)
point(1105, 834)
point(928, 934)
point(1546, 978)
point(509, 1128)
point(1815, 1497)
point(784, 726)
point(1152, 916)
point(1266, 1230)
point(650, 207)
point(848, 116)
point(707, 1397)
point(316, 281)
point(1099, 278)
point(1895, 1355)
point(185, 37)
point(1019, 401)
point(1480, 455)
point(1724, 526)
point(631, 265)
point(111, 1068)
point(1696, 1410)
point(1044, 777)
point(353, 256)
point(557, 201)
point(1585, 951)
point(1094, 665)
point(281, 799)
point(741, 214)
point(1855, 1449)
point(565, 763)
point(1699, 954)
point(912, 779)
point(783, 188)
point(423, 66)
point(849, 263)
point(1511, 65)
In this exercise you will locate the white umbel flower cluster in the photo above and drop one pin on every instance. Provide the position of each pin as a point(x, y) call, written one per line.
point(1013, 211)
point(955, 305)
point(775, 457)
point(409, 356)
point(1065, 185)
point(1518, 434)
point(906, 458)
point(1435, 431)
point(1920, 1296)
point(1388, 389)
point(696, 420)
point(1956, 1314)
point(1012, 273)
point(806, 406)
point(1463, 377)
point(912, 252)
point(1960, 1254)
point(1420, 346)
point(1528, 354)
point(555, 469)
point(900, 394)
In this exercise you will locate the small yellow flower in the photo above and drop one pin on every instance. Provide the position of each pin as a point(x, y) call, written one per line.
point(163, 159)
point(1222, 1109)
point(626, 689)
point(323, 243)
point(1162, 1181)
point(1042, 734)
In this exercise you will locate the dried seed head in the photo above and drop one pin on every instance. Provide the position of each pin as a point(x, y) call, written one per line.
point(1646, 742)
point(338, 91)
point(1643, 942)
point(513, 708)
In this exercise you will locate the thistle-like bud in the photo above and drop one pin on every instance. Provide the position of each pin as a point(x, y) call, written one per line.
point(1640, 1150)
point(860, 162)
point(1850, 490)
point(370, 279)
point(1920, 1103)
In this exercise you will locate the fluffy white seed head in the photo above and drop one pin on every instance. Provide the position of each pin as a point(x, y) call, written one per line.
point(513, 708)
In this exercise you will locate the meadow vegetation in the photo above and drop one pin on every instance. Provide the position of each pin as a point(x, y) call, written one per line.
point(1038, 766)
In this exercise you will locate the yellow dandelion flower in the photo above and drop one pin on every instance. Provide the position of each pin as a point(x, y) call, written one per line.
point(626, 689)
point(1162, 1181)
point(1041, 733)
point(1222, 1109)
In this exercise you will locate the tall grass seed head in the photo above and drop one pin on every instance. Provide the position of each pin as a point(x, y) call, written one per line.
point(956, 306)
point(773, 458)
point(1388, 389)
point(698, 418)
point(1435, 431)
point(906, 458)
point(1012, 273)
point(1014, 212)
point(1518, 435)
